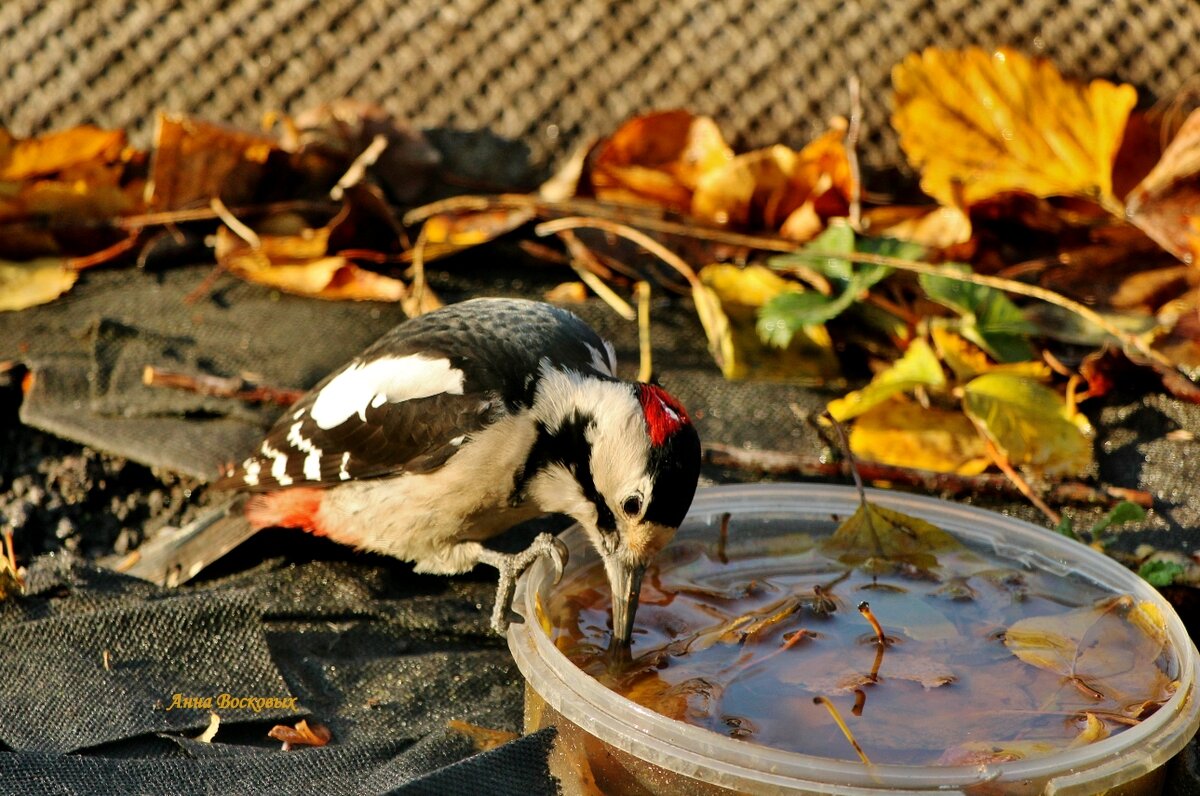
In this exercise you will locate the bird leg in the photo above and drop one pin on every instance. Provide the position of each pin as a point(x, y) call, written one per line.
point(511, 565)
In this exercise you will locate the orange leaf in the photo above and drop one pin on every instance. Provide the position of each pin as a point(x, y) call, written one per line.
point(981, 123)
point(56, 152)
point(303, 734)
point(658, 159)
point(196, 161)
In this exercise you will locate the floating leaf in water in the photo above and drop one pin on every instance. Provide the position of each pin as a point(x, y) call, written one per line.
point(886, 535)
point(1109, 651)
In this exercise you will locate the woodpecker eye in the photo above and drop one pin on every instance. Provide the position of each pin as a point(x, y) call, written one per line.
point(632, 506)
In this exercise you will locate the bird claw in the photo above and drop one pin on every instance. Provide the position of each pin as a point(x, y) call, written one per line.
point(512, 566)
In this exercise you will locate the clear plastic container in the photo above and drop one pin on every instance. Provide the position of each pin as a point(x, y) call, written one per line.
point(608, 744)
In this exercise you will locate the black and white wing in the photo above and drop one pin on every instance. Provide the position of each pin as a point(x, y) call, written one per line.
point(411, 400)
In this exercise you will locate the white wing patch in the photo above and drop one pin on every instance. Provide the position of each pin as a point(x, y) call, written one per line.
point(380, 381)
point(312, 458)
point(252, 468)
point(604, 362)
point(343, 473)
point(278, 464)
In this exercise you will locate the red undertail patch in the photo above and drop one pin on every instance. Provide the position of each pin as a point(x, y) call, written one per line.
point(664, 414)
point(287, 508)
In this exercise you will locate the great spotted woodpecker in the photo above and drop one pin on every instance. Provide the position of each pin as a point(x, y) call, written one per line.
point(461, 423)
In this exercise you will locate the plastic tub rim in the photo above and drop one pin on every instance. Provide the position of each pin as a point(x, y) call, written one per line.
point(700, 753)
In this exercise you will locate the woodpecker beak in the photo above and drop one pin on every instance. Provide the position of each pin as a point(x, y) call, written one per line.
point(625, 580)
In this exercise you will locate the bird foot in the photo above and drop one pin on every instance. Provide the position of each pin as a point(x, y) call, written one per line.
point(511, 565)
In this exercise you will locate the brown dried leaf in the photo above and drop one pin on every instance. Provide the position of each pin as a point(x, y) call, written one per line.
point(658, 159)
point(303, 734)
point(299, 262)
point(482, 738)
point(980, 123)
point(1166, 203)
point(197, 161)
point(27, 284)
point(779, 189)
point(933, 227)
point(875, 532)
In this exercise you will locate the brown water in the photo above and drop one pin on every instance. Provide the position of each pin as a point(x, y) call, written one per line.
point(743, 646)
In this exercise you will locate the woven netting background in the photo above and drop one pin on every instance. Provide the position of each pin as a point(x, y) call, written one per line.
point(547, 72)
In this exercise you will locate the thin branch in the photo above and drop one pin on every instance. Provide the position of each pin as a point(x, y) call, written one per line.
point(624, 231)
point(782, 463)
point(219, 387)
point(646, 363)
point(358, 169)
point(1000, 460)
point(585, 265)
point(235, 225)
point(1126, 339)
point(852, 135)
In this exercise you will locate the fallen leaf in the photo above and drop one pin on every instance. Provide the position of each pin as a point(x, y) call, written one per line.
point(658, 159)
point(27, 284)
point(778, 189)
point(449, 234)
point(967, 360)
point(826, 254)
point(1166, 203)
point(1109, 650)
point(906, 434)
point(1030, 423)
point(931, 227)
point(737, 294)
point(299, 261)
point(303, 734)
point(50, 154)
point(482, 738)
point(989, 319)
point(918, 367)
point(875, 533)
point(196, 161)
point(980, 123)
point(567, 293)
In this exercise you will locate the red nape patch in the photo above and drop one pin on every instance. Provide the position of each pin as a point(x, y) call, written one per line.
point(664, 414)
point(287, 508)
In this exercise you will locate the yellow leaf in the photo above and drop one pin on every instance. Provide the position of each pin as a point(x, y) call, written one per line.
point(919, 367)
point(55, 152)
point(1030, 423)
point(980, 123)
point(906, 434)
point(39, 281)
point(300, 264)
point(728, 301)
point(968, 360)
point(875, 533)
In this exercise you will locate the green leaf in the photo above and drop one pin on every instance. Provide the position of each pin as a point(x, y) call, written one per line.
point(919, 367)
point(786, 314)
point(1030, 423)
point(1121, 514)
point(1066, 528)
point(989, 319)
point(1161, 573)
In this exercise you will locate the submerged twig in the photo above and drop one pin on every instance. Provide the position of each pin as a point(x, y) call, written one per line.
point(837, 718)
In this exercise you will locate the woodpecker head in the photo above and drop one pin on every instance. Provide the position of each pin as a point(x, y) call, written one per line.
point(622, 460)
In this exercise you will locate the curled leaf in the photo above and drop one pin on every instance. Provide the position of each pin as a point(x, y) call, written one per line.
point(980, 123)
point(303, 734)
point(658, 158)
point(1166, 204)
point(1030, 423)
